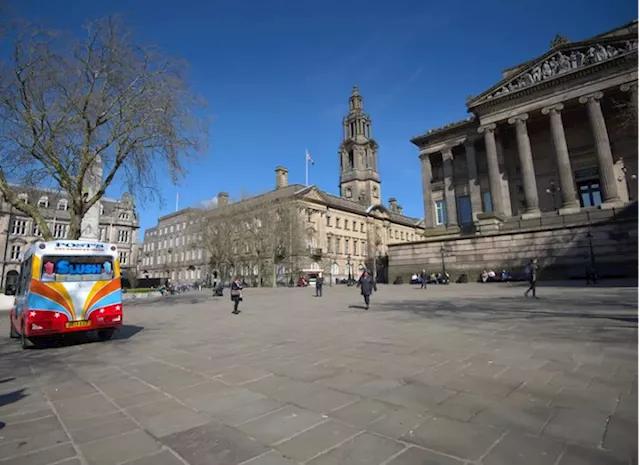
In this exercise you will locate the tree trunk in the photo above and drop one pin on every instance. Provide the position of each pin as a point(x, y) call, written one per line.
point(75, 220)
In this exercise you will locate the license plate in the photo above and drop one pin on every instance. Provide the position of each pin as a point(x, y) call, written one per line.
point(78, 324)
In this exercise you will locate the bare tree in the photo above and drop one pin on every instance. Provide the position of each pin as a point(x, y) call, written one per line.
point(67, 105)
point(254, 236)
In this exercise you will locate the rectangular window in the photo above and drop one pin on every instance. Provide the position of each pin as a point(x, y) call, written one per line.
point(124, 258)
point(35, 230)
point(487, 204)
point(123, 235)
point(60, 230)
point(338, 251)
point(346, 225)
point(465, 215)
point(328, 220)
point(361, 227)
point(355, 225)
point(19, 227)
point(346, 246)
point(441, 212)
point(363, 248)
point(74, 268)
point(15, 252)
point(355, 247)
point(338, 223)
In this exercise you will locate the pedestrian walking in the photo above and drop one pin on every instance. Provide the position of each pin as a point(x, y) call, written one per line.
point(319, 284)
point(236, 294)
point(367, 285)
point(423, 279)
point(532, 273)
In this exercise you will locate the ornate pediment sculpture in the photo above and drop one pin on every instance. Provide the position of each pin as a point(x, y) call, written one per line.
point(564, 61)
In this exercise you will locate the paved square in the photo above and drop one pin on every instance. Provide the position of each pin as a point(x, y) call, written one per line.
point(459, 374)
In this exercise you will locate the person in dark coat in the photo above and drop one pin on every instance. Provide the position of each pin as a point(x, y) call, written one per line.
point(319, 284)
point(236, 294)
point(423, 279)
point(532, 273)
point(367, 285)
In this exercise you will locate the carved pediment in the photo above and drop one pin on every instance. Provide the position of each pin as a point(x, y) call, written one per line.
point(562, 60)
point(314, 194)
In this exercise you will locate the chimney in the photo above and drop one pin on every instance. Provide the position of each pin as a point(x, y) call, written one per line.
point(399, 209)
point(282, 177)
point(392, 204)
point(223, 199)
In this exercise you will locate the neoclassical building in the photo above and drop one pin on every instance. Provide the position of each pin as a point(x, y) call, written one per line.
point(556, 137)
point(118, 224)
point(341, 231)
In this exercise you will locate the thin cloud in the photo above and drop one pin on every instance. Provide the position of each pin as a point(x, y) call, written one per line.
point(210, 203)
point(397, 89)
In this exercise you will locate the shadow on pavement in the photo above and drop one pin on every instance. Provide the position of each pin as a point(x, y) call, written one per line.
point(11, 397)
point(71, 339)
point(598, 318)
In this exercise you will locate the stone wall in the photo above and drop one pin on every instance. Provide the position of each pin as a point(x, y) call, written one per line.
point(561, 245)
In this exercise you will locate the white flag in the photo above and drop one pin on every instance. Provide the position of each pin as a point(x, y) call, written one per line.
point(309, 159)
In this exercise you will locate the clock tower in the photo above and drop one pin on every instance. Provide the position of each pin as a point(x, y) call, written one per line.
point(359, 177)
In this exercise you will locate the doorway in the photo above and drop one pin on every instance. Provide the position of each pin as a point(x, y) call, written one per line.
point(590, 194)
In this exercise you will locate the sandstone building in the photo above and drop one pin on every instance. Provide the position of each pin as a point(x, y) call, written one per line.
point(548, 152)
point(341, 232)
point(119, 225)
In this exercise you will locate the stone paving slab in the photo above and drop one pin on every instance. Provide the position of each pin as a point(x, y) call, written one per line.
point(445, 376)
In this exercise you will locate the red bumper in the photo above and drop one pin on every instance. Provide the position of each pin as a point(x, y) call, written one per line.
point(45, 322)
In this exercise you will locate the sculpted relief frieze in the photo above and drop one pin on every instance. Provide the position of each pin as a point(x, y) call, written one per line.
point(566, 62)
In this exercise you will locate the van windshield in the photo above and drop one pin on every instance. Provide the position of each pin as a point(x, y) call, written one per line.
point(74, 268)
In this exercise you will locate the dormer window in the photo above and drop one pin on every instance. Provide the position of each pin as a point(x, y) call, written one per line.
point(43, 202)
point(376, 193)
point(101, 209)
point(24, 197)
point(126, 216)
point(63, 205)
point(348, 193)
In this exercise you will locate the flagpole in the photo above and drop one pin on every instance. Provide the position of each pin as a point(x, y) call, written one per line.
point(306, 167)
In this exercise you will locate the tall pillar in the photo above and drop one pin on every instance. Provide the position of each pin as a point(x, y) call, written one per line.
point(493, 167)
point(427, 177)
point(532, 208)
point(570, 201)
point(603, 148)
point(449, 188)
point(474, 183)
point(632, 88)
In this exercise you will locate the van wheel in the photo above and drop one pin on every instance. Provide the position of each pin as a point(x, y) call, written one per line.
point(13, 334)
point(26, 342)
point(106, 334)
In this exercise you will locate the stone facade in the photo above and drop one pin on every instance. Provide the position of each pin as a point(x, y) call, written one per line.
point(550, 139)
point(341, 232)
point(118, 224)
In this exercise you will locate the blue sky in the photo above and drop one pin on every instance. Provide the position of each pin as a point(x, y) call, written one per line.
point(278, 73)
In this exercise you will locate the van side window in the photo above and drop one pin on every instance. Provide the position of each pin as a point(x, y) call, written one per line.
point(25, 276)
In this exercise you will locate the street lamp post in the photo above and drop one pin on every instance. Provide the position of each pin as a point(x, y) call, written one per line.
point(349, 266)
point(626, 176)
point(552, 189)
point(443, 251)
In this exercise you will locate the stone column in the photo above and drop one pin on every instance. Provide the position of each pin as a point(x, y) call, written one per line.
point(449, 188)
point(570, 201)
point(603, 148)
point(632, 88)
point(474, 183)
point(532, 209)
point(427, 177)
point(493, 167)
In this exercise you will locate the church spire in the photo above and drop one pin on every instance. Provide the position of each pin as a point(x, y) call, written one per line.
point(355, 102)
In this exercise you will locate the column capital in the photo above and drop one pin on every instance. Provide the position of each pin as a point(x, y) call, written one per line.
point(487, 128)
point(553, 109)
point(518, 119)
point(469, 142)
point(447, 153)
point(591, 97)
point(626, 87)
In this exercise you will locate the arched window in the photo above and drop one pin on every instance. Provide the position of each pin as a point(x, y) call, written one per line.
point(335, 269)
point(348, 193)
point(101, 209)
point(43, 202)
point(315, 266)
point(63, 205)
